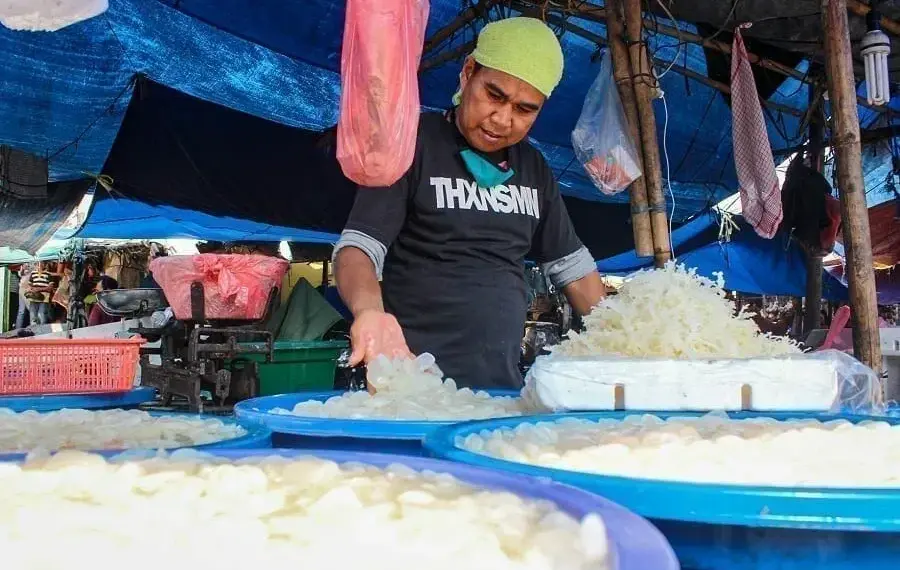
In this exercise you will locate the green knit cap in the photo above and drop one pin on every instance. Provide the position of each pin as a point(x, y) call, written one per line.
point(525, 48)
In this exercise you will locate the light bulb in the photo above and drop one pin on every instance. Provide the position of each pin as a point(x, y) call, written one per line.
point(876, 47)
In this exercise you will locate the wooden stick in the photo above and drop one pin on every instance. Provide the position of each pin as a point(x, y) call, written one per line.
point(814, 267)
point(643, 80)
point(449, 55)
point(637, 193)
point(861, 9)
point(848, 156)
point(464, 19)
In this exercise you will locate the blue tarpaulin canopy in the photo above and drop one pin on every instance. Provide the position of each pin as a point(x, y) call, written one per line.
point(748, 263)
point(65, 93)
point(129, 219)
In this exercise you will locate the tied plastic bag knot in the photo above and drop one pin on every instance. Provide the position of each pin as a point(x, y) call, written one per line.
point(227, 283)
point(601, 140)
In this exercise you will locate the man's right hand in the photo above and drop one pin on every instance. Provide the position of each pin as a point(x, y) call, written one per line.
point(374, 333)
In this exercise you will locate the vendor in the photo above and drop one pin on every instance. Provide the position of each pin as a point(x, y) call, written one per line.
point(449, 239)
point(98, 316)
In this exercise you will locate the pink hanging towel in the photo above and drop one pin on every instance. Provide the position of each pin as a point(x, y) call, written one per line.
point(760, 193)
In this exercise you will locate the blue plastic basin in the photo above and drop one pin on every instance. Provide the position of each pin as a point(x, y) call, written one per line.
point(49, 403)
point(300, 432)
point(255, 438)
point(729, 527)
point(636, 544)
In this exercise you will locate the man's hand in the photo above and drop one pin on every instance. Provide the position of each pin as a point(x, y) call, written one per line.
point(375, 333)
point(585, 293)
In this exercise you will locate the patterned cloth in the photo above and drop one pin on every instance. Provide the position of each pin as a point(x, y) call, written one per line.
point(760, 193)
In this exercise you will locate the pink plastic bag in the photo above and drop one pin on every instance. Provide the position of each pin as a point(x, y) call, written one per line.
point(235, 286)
point(376, 136)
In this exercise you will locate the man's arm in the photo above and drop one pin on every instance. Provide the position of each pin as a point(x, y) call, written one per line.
point(585, 293)
point(564, 259)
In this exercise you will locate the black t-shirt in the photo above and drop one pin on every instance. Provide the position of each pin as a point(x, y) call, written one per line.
point(454, 269)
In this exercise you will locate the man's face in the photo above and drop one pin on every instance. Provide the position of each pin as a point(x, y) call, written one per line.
point(497, 110)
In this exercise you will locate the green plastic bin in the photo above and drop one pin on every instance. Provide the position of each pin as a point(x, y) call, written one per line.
point(298, 366)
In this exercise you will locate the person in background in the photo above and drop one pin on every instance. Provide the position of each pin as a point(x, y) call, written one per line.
point(98, 316)
point(24, 284)
point(148, 282)
point(40, 291)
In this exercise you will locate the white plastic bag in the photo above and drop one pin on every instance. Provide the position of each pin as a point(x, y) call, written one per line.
point(601, 139)
point(827, 381)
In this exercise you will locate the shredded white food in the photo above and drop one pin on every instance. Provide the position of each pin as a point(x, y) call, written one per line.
point(671, 313)
point(409, 390)
point(107, 429)
point(708, 449)
point(48, 15)
point(77, 509)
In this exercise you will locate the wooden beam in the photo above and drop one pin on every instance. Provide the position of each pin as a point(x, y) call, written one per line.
point(464, 19)
point(637, 193)
point(848, 160)
point(861, 9)
point(644, 82)
point(598, 14)
point(681, 70)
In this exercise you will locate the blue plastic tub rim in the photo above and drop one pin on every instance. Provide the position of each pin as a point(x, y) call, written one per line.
point(53, 402)
point(256, 437)
point(635, 544)
point(257, 411)
point(843, 509)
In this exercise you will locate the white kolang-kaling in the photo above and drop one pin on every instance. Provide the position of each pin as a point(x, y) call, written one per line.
point(48, 15)
point(671, 313)
point(106, 429)
point(707, 449)
point(409, 390)
point(77, 509)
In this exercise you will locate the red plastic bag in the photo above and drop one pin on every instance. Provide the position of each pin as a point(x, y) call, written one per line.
point(234, 286)
point(376, 136)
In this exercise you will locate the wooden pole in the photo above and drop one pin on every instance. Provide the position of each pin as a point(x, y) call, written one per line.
point(813, 317)
point(637, 193)
point(848, 158)
point(643, 81)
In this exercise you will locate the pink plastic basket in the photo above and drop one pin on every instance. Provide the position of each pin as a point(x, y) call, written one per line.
point(68, 366)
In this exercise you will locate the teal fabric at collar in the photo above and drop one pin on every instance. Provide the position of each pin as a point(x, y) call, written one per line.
point(486, 174)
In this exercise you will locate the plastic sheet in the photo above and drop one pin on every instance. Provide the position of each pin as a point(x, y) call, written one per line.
point(235, 286)
point(831, 381)
point(380, 91)
point(601, 140)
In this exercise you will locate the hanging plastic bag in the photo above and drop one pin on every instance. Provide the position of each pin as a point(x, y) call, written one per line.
point(601, 139)
point(376, 136)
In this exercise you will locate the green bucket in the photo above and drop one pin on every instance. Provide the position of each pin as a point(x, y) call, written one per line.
point(298, 366)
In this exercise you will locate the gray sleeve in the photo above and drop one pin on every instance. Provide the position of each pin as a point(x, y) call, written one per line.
point(570, 268)
point(365, 243)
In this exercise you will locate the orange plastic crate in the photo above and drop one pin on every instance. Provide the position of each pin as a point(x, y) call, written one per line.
point(68, 366)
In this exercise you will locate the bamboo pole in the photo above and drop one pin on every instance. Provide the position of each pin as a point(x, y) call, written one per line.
point(637, 192)
point(848, 157)
point(643, 80)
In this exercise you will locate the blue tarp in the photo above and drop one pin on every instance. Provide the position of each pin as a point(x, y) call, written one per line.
point(129, 219)
point(748, 263)
point(64, 94)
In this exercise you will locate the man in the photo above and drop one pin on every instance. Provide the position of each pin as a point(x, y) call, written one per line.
point(22, 315)
point(40, 291)
point(450, 238)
